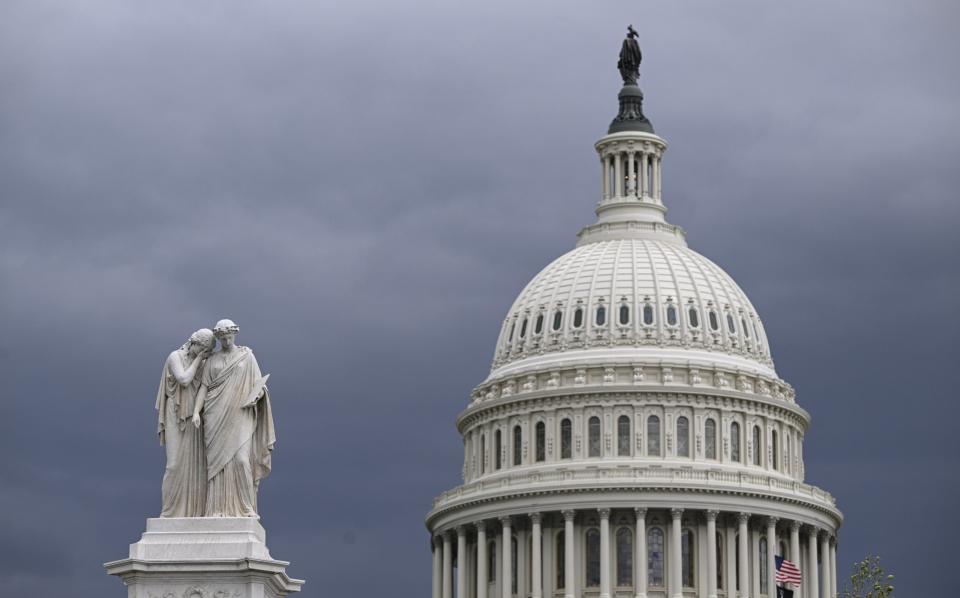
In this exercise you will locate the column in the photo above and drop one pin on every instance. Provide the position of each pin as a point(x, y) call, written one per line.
point(712, 554)
point(632, 174)
point(618, 175)
point(536, 559)
point(811, 577)
point(744, 555)
point(771, 556)
point(644, 157)
point(676, 556)
point(833, 568)
point(730, 559)
point(825, 560)
point(795, 547)
point(461, 561)
point(506, 567)
point(447, 586)
point(481, 559)
point(606, 177)
point(437, 566)
point(603, 177)
point(604, 552)
point(568, 563)
point(656, 177)
point(640, 546)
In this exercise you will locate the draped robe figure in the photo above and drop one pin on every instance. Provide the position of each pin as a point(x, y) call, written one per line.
point(238, 432)
point(630, 57)
point(185, 476)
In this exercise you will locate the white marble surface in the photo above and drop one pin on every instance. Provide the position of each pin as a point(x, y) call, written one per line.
point(203, 557)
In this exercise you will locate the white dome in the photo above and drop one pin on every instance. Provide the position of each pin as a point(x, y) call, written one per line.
point(625, 290)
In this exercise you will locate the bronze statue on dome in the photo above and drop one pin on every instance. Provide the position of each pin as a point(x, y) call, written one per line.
point(630, 57)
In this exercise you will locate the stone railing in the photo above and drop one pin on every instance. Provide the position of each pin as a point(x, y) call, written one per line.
point(681, 477)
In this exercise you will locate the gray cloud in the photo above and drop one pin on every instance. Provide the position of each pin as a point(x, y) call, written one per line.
point(365, 189)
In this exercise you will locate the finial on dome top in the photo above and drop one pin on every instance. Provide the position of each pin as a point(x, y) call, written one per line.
point(630, 117)
point(630, 57)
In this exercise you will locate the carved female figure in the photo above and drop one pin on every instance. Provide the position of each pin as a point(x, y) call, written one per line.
point(184, 479)
point(237, 426)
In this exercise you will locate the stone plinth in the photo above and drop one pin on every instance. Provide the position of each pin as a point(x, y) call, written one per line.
point(203, 557)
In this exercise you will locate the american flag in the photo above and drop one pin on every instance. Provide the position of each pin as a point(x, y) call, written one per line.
point(787, 572)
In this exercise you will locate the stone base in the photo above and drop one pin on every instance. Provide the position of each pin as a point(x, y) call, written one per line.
point(203, 557)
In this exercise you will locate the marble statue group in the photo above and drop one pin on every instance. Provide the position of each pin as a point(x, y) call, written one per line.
point(216, 425)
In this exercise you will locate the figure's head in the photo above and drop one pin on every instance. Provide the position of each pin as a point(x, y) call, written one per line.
point(200, 341)
point(226, 332)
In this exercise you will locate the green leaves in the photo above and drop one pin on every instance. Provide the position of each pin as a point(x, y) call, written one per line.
point(868, 580)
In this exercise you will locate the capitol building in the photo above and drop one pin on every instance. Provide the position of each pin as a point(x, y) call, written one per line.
point(633, 438)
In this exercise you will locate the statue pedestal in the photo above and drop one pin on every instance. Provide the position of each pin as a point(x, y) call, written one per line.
point(203, 557)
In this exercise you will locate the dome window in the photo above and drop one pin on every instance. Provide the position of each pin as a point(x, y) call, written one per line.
point(671, 315)
point(756, 445)
point(601, 316)
point(735, 442)
point(538, 326)
point(578, 318)
point(623, 436)
point(694, 317)
point(730, 325)
point(483, 454)
point(653, 436)
point(541, 441)
point(624, 314)
point(497, 447)
point(513, 328)
point(743, 325)
point(714, 322)
point(523, 328)
point(683, 437)
point(647, 315)
point(566, 439)
point(710, 438)
point(593, 437)
point(557, 320)
point(517, 445)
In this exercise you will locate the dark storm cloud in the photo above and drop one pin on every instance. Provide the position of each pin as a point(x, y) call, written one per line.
point(365, 189)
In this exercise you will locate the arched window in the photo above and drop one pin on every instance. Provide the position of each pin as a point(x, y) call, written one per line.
point(714, 324)
point(483, 454)
point(541, 441)
point(566, 439)
point(710, 438)
point(601, 316)
point(653, 436)
point(693, 317)
point(523, 328)
point(624, 557)
point(578, 317)
point(623, 436)
point(756, 445)
point(496, 449)
point(647, 315)
point(763, 565)
point(491, 562)
point(513, 328)
point(683, 437)
point(593, 437)
point(671, 315)
point(560, 566)
point(557, 320)
point(624, 314)
point(517, 445)
point(514, 558)
point(775, 449)
point(655, 557)
point(719, 561)
point(735, 442)
point(686, 558)
point(593, 558)
point(743, 326)
point(538, 326)
point(731, 327)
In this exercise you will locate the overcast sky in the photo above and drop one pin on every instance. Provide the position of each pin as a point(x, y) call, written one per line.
point(365, 187)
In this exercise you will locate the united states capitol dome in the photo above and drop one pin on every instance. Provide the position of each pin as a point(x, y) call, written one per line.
point(633, 439)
